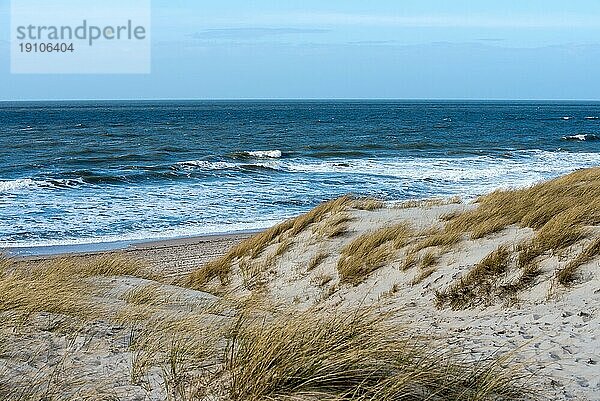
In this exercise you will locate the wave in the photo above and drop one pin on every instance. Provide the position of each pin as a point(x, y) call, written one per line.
point(141, 211)
point(449, 168)
point(566, 118)
point(28, 183)
point(592, 118)
point(95, 242)
point(258, 154)
point(581, 137)
point(455, 169)
point(11, 185)
point(204, 165)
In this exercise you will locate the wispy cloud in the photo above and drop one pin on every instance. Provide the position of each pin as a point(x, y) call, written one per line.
point(451, 20)
point(253, 33)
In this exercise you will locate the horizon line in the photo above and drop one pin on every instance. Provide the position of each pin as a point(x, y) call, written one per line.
point(296, 99)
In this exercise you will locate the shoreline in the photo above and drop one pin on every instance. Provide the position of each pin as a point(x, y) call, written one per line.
point(87, 249)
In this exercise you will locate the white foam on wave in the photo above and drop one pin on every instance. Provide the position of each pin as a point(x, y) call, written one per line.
point(443, 169)
point(446, 169)
point(581, 137)
point(271, 154)
point(592, 118)
point(206, 165)
point(566, 118)
point(148, 235)
point(12, 185)
point(236, 205)
point(20, 184)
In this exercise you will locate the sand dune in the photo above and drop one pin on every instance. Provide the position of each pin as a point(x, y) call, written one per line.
point(496, 300)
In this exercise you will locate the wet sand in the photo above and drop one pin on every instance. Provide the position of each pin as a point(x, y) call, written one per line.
point(171, 258)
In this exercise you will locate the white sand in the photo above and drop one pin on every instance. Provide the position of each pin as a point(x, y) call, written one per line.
point(555, 338)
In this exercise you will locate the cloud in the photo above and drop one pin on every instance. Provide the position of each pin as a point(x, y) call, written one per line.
point(375, 42)
point(253, 33)
point(463, 20)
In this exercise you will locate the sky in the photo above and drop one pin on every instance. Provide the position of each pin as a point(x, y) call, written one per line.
point(379, 49)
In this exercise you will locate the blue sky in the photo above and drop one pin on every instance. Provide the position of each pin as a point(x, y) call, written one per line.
point(526, 49)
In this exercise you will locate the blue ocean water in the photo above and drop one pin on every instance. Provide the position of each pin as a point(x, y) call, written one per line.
point(93, 172)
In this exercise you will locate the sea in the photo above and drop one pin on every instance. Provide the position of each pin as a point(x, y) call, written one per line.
point(104, 174)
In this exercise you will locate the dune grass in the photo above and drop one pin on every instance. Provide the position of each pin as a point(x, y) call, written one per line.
point(565, 203)
point(284, 246)
point(479, 286)
point(368, 204)
point(249, 353)
point(334, 226)
point(559, 211)
point(58, 285)
point(370, 251)
point(429, 259)
point(101, 266)
point(411, 259)
point(255, 246)
point(422, 275)
point(353, 355)
point(443, 239)
point(567, 275)
point(316, 260)
point(148, 295)
point(428, 203)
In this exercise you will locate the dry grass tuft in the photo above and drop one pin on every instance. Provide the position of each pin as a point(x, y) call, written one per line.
point(355, 355)
point(442, 239)
point(450, 215)
point(566, 202)
point(254, 246)
point(254, 274)
point(429, 259)
point(321, 279)
point(423, 274)
point(317, 260)
point(319, 213)
point(428, 203)
point(59, 285)
point(149, 295)
point(102, 266)
point(368, 204)
point(411, 259)
point(567, 276)
point(479, 285)
point(334, 226)
point(284, 246)
point(369, 252)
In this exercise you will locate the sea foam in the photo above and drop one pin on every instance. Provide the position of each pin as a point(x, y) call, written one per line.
point(581, 137)
point(266, 154)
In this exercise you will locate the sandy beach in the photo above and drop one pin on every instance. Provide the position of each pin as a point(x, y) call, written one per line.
point(506, 291)
point(172, 258)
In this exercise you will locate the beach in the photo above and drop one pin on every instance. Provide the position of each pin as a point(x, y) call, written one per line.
point(173, 257)
point(504, 290)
